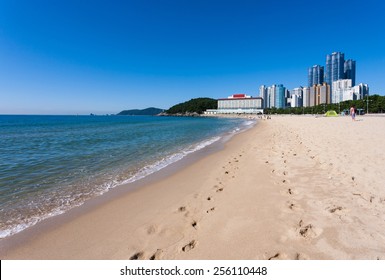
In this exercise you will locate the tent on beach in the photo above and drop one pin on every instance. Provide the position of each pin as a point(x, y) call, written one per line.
point(331, 113)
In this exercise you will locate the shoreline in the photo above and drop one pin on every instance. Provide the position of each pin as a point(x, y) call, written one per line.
point(48, 224)
point(100, 187)
point(289, 188)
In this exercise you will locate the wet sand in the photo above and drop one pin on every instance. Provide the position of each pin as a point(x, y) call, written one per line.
point(293, 187)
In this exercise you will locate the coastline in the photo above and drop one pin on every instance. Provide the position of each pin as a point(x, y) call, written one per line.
point(294, 187)
point(23, 237)
point(74, 175)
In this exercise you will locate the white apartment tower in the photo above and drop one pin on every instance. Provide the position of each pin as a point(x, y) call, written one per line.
point(263, 94)
point(342, 90)
point(306, 97)
point(296, 97)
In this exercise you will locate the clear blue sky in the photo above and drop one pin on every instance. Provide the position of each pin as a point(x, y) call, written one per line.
point(69, 57)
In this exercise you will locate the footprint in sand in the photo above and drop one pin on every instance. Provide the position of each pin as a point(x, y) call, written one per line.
point(137, 256)
point(335, 209)
point(293, 206)
point(300, 256)
point(156, 255)
point(308, 231)
point(194, 224)
point(189, 246)
point(183, 209)
point(151, 229)
point(276, 256)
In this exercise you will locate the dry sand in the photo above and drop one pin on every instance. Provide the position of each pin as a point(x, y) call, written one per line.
point(293, 187)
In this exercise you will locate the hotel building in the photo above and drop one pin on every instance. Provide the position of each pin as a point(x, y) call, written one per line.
point(238, 104)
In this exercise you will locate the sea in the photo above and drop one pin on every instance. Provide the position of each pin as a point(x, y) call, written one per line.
point(51, 164)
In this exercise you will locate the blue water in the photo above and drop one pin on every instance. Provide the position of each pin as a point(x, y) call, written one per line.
point(50, 164)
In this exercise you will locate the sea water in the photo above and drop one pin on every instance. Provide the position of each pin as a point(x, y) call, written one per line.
point(50, 164)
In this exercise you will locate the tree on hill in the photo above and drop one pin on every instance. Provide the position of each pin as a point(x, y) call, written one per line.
point(196, 105)
point(135, 112)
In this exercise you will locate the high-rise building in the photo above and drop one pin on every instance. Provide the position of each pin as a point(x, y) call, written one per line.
point(361, 90)
point(334, 68)
point(338, 63)
point(341, 90)
point(315, 75)
point(263, 94)
point(350, 70)
point(319, 94)
point(324, 96)
point(280, 96)
point(313, 96)
point(276, 96)
point(310, 76)
point(328, 70)
point(296, 97)
point(271, 96)
point(306, 97)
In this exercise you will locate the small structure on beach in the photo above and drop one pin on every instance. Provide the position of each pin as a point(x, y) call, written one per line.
point(331, 113)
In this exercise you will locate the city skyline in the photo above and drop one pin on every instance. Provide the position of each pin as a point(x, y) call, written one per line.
point(76, 58)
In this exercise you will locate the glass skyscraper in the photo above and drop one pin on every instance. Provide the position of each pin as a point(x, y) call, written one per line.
point(328, 70)
point(338, 63)
point(334, 67)
point(280, 96)
point(315, 75)
point(350, 70)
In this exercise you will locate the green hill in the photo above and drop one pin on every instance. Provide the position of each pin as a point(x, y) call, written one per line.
point(136, 112)
point(196, 105)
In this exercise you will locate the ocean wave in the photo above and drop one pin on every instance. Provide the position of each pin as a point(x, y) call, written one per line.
point(157, 166)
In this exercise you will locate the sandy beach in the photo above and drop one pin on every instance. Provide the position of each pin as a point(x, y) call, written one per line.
point(293, 187)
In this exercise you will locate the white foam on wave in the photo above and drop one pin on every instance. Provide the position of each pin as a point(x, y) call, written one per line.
point(31, 222)
point(164, 162)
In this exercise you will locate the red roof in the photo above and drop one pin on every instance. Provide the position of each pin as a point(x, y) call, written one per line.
point(239, 95)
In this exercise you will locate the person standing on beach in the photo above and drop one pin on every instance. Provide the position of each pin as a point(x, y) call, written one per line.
point(353, 113)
